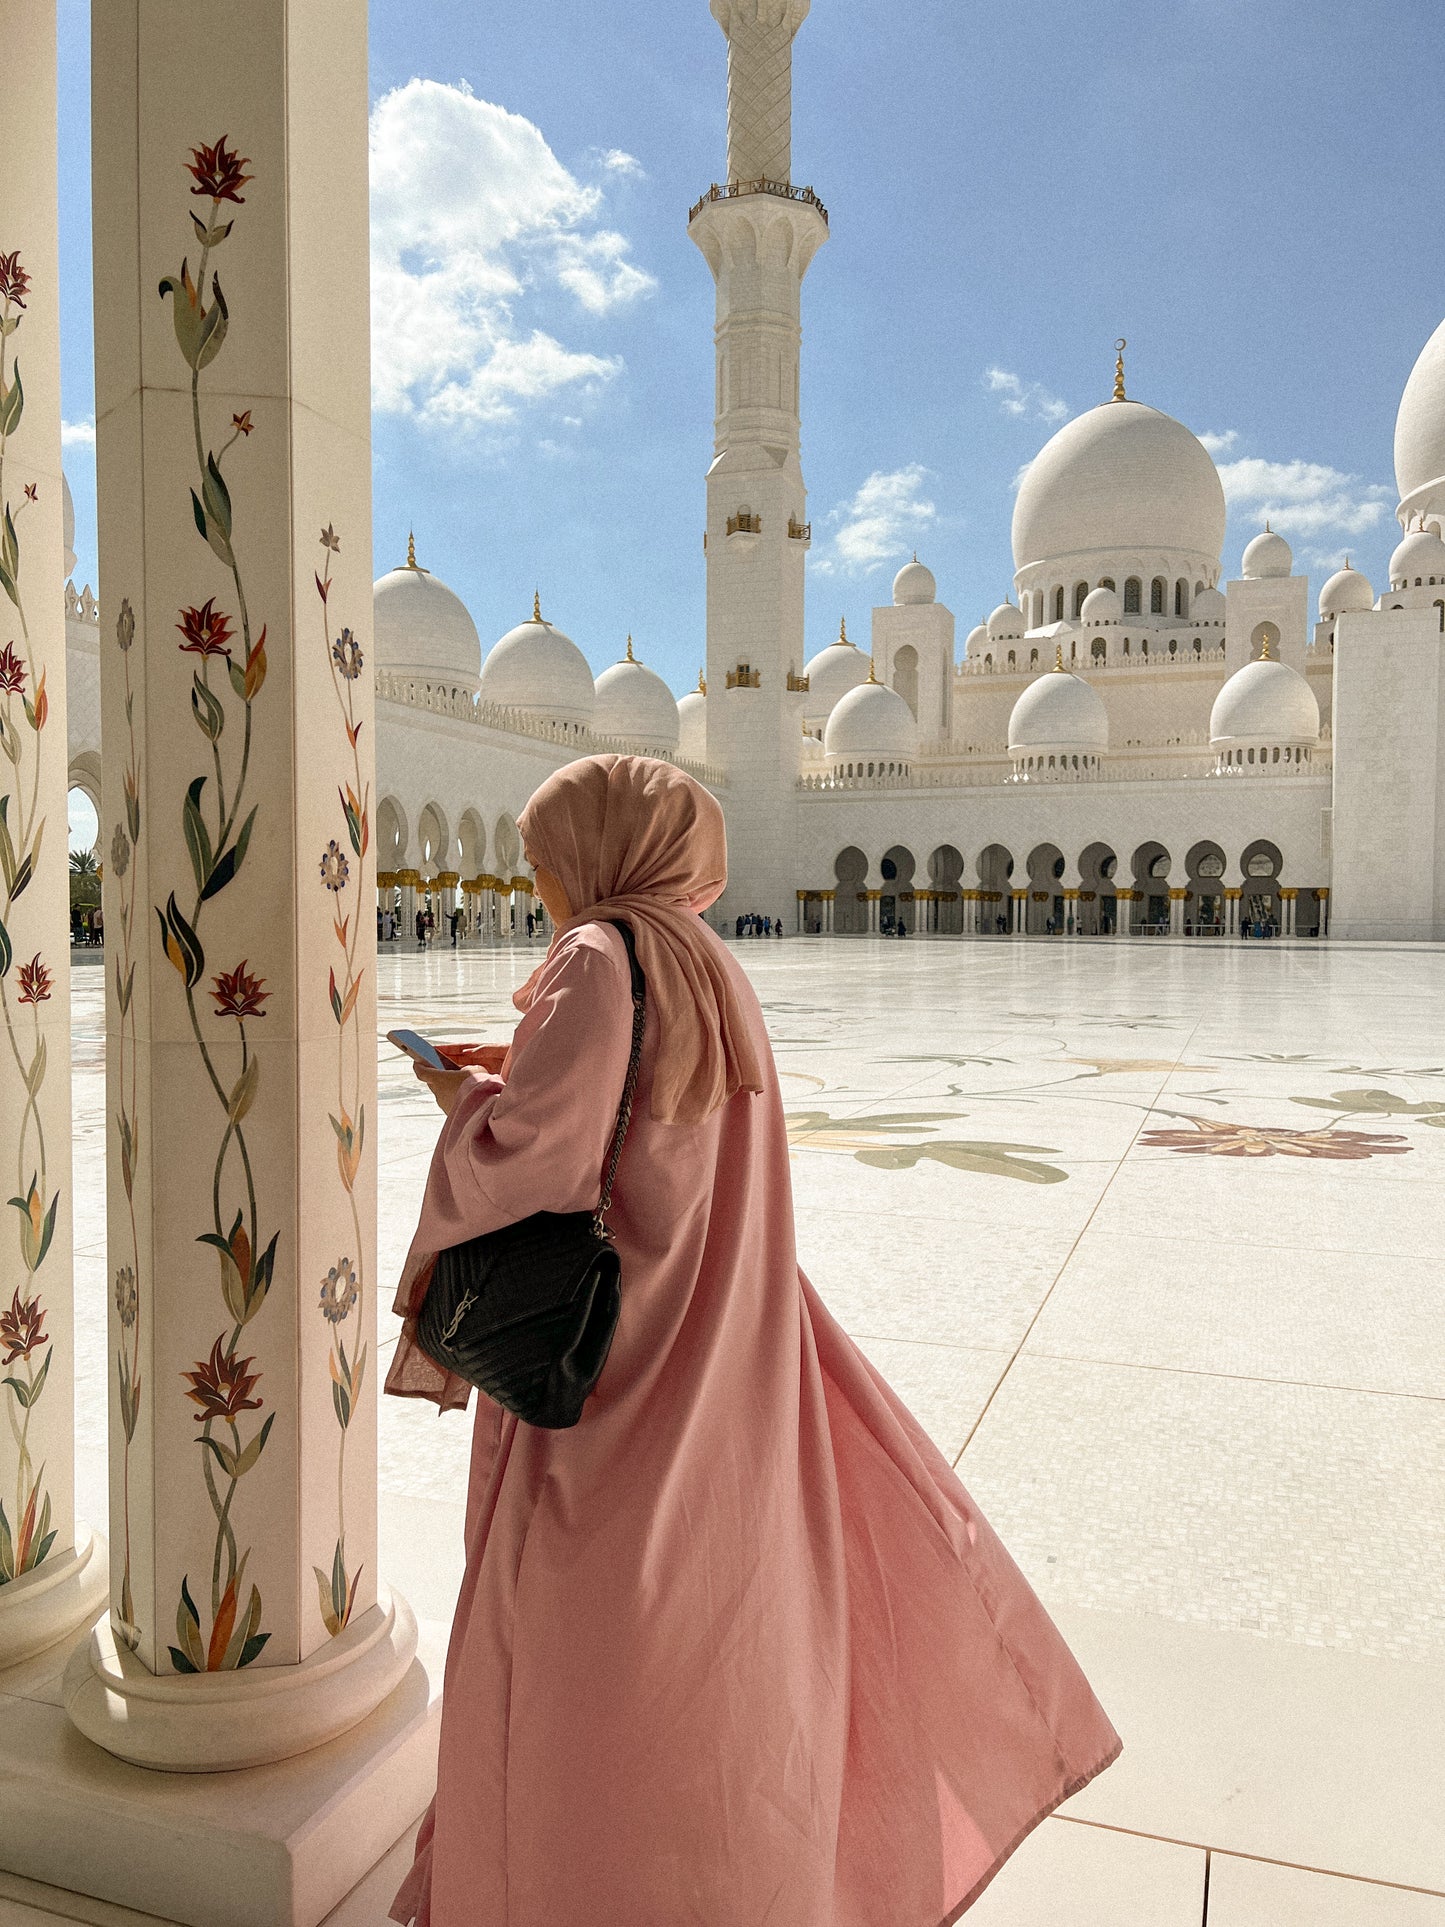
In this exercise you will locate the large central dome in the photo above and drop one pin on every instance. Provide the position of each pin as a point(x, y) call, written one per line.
point(1119, 479)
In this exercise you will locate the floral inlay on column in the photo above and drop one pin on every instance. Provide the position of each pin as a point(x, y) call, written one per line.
point(225, 684)
point(128, 1276)
point(344, 1284)
point(25, 1531)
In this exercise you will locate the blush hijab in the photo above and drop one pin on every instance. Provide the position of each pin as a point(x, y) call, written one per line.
point(633, 838)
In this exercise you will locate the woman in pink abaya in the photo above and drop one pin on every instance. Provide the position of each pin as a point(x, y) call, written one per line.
point(738, 1649)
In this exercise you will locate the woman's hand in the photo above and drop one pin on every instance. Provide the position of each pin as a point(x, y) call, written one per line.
point(482, 1057)
point(445, 1086)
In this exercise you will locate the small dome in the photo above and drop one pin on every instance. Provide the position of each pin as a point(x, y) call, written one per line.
point(831, 674)
point(692, 725)
point(1058, 711)
point(1209, 606)
point(976, 641)
point(871, 721)
point(1101, 605)
point(633, 702)
point(421, 627)
point(1420, 556)
point(812, 755)
point(1006, 623)
point(914, 583)
point(535, 668)
point(1265, 702)
point(1346, 593)
point(1268, 554)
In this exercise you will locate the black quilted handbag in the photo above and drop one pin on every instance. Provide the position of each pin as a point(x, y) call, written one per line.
point(527, 1313)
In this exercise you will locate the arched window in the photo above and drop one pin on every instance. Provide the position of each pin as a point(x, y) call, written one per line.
point(1059, 603)
point(1100, 649)
point(1199, 588)
point(1012, 660)
point(1156, 596)
point(1106, 582)
point(1034, 654)
point(1081, 589)
point(1441, 607)
point(1181, 597)
point(1132, 587)
point(1173, 648)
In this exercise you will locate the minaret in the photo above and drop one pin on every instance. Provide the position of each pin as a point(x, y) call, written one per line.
point(759, 233)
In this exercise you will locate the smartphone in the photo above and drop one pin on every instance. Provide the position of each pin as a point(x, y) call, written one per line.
point(415, 1045)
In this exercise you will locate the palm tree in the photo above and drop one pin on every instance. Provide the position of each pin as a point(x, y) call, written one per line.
point(84, 880)
point(82, 863)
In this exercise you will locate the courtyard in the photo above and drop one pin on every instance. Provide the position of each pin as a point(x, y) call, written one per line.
point(1147, 1234)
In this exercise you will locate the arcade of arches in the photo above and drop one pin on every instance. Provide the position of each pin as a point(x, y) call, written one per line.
point(1202, 891)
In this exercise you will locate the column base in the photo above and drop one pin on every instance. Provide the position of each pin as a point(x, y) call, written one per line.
point(218, 1722)
point(51, 1603)
point(273, 1846)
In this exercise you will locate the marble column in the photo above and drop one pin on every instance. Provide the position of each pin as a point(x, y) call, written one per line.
point(1177, 896)
point(1020, 899)
point(52, 1569)
point(1124, 901)
point(1286, 911)
point(872, 898)
point(1324, 896)
point(1231, 910)
point(829, 898)
point(446, 882)
point(233, 455)
point(409, 881)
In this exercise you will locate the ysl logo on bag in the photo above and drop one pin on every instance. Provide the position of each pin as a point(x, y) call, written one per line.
point(469, 1298)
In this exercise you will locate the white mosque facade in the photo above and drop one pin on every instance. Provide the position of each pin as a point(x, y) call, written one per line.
point(1129, 744)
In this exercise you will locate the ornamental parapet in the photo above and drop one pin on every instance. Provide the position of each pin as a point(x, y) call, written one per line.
point(1084, 665)
point(445, 699)
point(737, 190)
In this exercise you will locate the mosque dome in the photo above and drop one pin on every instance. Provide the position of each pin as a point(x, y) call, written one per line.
point(534, 667)
point(68, 523)
point(1265, 702)
point(1060, 712)
point(421, 627)
point(1006, 624)
point(1420, 557)
point(1346, 593)
point(914, 583)
point(1121, 478)
point(831, 674)
point(1209, 607)
point(1420, 429)
point(634, 703)
point(1100, 606)
point(692, 724)
point(872, 722)
point(976, 641)
point(1268, 555)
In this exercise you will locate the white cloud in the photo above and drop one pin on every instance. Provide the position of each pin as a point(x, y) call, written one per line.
point(1024, 398)
point(627, 166)
point(481, 242)
point(879, 523)
point(1219, 444)
point(1309, 501)
point(77, 434)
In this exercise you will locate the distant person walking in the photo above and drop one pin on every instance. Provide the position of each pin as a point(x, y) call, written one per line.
point(421, 929)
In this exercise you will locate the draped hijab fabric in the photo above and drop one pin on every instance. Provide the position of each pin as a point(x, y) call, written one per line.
point(632, 837)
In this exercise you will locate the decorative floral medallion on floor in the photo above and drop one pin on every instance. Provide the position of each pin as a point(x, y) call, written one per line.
point(1213, 1137)
point(344, 1284)
point(891, 1142)
point(226, 683)
point(26, 1535)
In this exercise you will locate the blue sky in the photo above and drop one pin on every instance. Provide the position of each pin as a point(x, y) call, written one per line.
point(1243, 188)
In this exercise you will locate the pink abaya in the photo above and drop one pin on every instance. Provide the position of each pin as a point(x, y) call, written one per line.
point(738, 1650)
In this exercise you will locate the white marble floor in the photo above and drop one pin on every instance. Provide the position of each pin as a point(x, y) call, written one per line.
point(1148, 1234)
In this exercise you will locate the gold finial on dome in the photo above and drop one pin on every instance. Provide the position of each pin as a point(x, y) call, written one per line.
point(629, 657)
point(702, 682)
point(872, 670)
point(536, 615)
point(1264, 654)
point(1119, 346)
point(1058, 655)
point(410, 550)
point(843, 632)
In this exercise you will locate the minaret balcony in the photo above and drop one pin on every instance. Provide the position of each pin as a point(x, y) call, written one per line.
point(799, 531)
point(780, 190)
point(797, 684)
point(745, 523)
point(745, 677)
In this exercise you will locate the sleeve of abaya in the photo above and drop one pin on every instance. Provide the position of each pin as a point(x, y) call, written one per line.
point(536, 1142)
